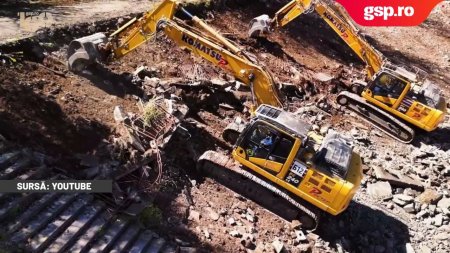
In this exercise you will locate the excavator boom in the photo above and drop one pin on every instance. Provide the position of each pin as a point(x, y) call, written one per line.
point(209, 45)
point(335, 17)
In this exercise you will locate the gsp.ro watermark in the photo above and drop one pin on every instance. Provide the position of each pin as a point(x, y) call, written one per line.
point(389, 12)
point(385, 12)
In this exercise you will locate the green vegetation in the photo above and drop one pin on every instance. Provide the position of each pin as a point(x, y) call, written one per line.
point(152, 112)
point(151, 216)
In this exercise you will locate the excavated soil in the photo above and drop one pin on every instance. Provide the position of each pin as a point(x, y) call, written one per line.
point(44, 106)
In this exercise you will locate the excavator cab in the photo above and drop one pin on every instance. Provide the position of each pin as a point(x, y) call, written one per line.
point(266, 146)
point(388, 89)
point(394, 91)
point(276, 146)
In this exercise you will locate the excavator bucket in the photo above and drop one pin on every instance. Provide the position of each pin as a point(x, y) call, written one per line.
point(260, 25)
point(84, 51)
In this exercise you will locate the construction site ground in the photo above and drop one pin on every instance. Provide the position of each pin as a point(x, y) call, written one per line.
point(45, 107)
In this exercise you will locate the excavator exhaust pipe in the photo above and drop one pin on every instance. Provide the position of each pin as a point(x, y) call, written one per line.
point(84, 51)
point(260, 25)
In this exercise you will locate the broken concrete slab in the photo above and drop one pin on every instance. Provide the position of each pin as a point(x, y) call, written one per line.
point(380, 190)
point(397, 179)
point(402, 199)
point(213, 215)
point(444, 204)
point(277, 245)
point(194, 215)
point(323, 77)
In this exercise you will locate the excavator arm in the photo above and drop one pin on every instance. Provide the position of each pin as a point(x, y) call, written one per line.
point(335, 17)
point(208, 44)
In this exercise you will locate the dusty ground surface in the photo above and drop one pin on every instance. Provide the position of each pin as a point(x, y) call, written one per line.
point(45, 107)
point(20, 20)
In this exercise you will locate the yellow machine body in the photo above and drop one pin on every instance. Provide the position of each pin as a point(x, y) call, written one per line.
point(404, 106)
point(291, 166)
point(325, 191)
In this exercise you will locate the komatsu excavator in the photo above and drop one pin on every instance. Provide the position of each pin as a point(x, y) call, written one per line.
point(394, 98)
point(274, 149)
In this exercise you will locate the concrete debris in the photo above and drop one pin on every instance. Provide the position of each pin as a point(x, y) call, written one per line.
point(402, 199)
point(380, 190)
point(438, 220)
point(277, 245)
point(250, 218)
point(194, 215)
point(409, 208)
point(206, 232)
point(323, 77)
point(444, 205)
point(300, 236)
point(397, 179)
point(235, 233)
point(425, 249)
point(409, 248)
point(444, 236)
point(231, 221)
point(429, 196)
point(213, 215)
point(432, 209)
point(152, 81)
point(219, 82)
point(295, 224)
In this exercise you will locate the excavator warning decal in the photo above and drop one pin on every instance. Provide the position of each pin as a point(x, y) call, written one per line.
point(405, 105)
point(296, 174)
point(315, 191)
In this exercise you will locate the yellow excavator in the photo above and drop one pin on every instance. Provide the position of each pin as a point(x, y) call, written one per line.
point(275, 148)
point(394, 98)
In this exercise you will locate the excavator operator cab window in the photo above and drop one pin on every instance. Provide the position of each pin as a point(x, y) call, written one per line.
point(267, 143)
point(387, 85)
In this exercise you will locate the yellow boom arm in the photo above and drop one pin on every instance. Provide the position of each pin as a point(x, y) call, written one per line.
point(339, 21)
point(209, 45)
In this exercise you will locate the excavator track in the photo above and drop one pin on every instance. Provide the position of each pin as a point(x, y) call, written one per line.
point(226, 171)
point(377, 117)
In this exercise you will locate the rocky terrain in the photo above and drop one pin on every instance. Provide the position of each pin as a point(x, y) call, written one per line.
point(403, 204)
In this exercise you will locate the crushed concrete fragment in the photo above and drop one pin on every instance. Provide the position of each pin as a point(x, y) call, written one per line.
point(323, 77)
point(300, 236)
point(235, 233)
point(402, 199)
point(397, 179)
point(277, 245)
point(231, 221)
point(194, 215)
point(409, 208)
point(438, 220)
point(380, 190)
point(213, 215)
point(444, 204)
point(429, 196)
point(409, 248)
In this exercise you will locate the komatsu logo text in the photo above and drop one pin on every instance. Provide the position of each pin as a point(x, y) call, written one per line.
point(205, 49)
point(336, 24)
